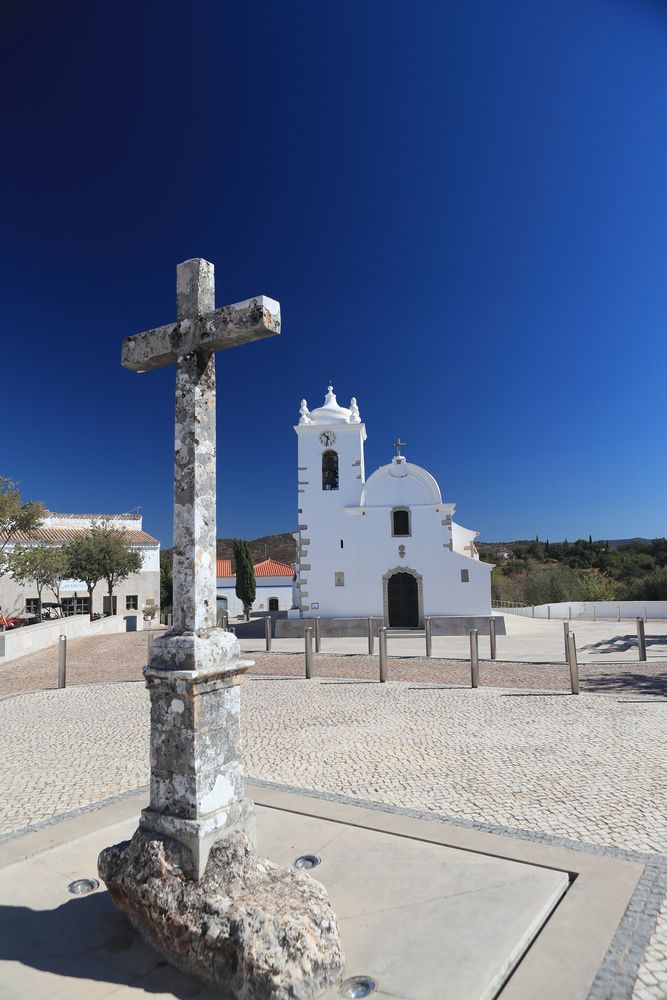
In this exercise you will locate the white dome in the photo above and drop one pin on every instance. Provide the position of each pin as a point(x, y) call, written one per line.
point(400, 484)
point(331, 412)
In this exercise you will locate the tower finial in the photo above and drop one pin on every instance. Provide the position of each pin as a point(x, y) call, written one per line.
point(304, 413)
point(398, 444)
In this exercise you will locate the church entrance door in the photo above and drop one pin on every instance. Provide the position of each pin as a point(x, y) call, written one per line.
point(402, 601)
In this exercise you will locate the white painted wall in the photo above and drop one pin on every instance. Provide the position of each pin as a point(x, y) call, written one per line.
point(281, 587)
point(358, 515)
point(21, 641)
point(603, 609)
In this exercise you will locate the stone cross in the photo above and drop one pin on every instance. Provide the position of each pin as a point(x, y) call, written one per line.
point(189, 343)
point(194, 670)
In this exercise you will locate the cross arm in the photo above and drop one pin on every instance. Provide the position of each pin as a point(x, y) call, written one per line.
point(151, 349)
point(240, 323)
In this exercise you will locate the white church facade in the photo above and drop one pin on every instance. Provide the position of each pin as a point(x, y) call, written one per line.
point(384, 546)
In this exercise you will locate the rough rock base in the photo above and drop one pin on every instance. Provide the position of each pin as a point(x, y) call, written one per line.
point(249, 927)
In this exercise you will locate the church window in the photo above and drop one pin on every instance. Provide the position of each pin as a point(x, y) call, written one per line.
point(132, 602)
point(339, 579)
point(400, 522)
point(465, 576)
point(32, 605)
point(341, 543)
point(329, 470)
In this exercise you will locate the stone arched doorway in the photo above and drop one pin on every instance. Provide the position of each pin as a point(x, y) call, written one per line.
point(402, 592)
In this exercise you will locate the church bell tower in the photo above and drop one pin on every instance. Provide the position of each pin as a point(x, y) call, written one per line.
point(330, 478)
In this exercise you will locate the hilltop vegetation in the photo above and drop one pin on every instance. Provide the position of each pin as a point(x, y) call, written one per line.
point(280, 547)
point(541, 572)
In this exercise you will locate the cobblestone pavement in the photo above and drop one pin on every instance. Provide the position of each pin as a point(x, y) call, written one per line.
point(122, 657)
point(591, 769)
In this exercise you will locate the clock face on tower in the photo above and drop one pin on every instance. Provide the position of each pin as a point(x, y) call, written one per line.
point(327, 438)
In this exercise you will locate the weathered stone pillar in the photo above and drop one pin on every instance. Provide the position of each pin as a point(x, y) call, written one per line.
point(196, 787)
point(189, 879)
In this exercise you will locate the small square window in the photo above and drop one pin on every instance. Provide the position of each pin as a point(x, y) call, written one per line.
point(132, 602)
point(32, 605)
point(340, 579)
point(465, 576)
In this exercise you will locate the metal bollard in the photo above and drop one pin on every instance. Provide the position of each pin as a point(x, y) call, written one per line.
point(572, 660)
point(641, 639)
point(318, 637)
point(645, 615)
point(533, 609)
point(370, 637)
point(549, 612)
point(566, 632)
point(382, 638)
point(429, 637)
point(267, 632)
point(62, 661)
point(569, 613)
point(492, 637)
point(474, 658)
point(595, 616)
point(308, 640)
point(619, 614)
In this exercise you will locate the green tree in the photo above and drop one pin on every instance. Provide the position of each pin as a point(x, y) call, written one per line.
point(43, 565)
point(166, 579)
point(115, 558)
point(650, 587)
point(245, 576)
point(16, 517)
point(85, 562)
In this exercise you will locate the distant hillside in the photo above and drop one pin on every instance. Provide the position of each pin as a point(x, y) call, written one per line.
point(280, 547)
point(613, 543)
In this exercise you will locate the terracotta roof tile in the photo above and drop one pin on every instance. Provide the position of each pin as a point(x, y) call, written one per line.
point(48, 534)
point(271, 567)
point(223, 567)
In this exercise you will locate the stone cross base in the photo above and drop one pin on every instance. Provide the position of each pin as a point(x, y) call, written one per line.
point(196, 788)
point(252, 929)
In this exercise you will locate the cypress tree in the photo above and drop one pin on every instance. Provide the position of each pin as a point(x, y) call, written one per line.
point(245, 576)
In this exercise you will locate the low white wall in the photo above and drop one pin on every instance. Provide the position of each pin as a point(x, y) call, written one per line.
point(31, 638)
point(592, 609)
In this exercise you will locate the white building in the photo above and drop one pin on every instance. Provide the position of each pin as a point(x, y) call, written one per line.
point(386, 545)
point(273, 581)
point(138, 591)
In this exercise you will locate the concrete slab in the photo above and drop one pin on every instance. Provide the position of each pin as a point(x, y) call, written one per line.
point(427, 909)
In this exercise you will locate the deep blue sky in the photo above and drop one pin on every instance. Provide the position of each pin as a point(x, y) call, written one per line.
point(461, 208)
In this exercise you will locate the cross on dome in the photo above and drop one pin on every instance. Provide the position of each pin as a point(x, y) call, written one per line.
point(398, 444)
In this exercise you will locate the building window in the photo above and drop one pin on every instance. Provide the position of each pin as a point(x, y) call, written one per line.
point(465, 576)
point(339, 579)
point(132, 602)
point(329, 470)
point(400, 522)
point(76, 605)
point(32, 605)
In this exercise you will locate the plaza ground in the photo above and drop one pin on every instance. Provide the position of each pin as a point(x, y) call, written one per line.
point(518, 754)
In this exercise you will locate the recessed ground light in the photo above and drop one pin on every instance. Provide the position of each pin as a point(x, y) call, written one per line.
point(82, 886)
point(358, 986)
point(307, 861)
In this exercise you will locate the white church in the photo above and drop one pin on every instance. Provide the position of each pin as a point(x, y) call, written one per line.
point(384, 546)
